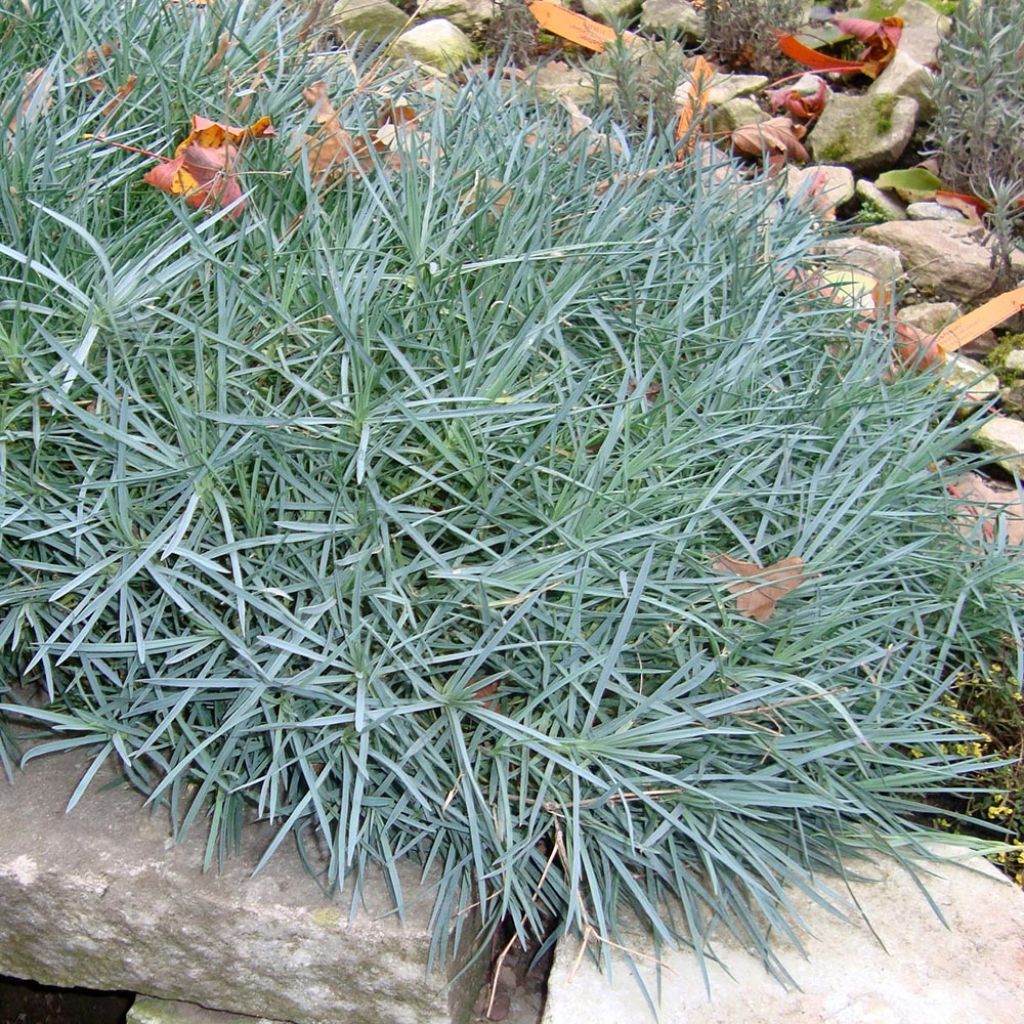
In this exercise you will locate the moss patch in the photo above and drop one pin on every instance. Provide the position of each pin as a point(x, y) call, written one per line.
point(877, 9)
point(1010, 370)
point(836, 151)
point(870, 213)
point(883, 106)
point(327, 917)
point(1006, 360)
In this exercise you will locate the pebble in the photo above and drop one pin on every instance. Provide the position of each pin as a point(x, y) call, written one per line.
point(933, 211)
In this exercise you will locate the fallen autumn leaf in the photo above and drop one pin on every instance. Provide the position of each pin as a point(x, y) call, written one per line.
point(35, 98)
point(800, 104)
point(204, 168)
point(762, 586)
point(777, 138)
point(695, 101)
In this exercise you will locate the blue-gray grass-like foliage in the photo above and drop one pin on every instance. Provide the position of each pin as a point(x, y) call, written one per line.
point(388, 508)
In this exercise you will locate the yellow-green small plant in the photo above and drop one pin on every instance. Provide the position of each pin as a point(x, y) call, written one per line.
point(989, 698)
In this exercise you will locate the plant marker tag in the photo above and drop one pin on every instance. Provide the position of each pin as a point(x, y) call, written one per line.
point(575, 27)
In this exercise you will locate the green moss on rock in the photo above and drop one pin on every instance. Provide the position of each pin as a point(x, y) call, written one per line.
point(1005, 363)
point(836, 151)
point(883, 107)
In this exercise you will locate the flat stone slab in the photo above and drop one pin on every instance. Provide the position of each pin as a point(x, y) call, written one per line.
point(147, 1010)
point(103, 898)
point(969, 973)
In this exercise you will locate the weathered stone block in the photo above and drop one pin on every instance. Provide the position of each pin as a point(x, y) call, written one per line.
point(883, 202)
point(672, 17)
point(965, 968)
point(611, 11)
point(375, 20)
point(942, 258)
point(147, 1010)
point(865, 133)
point(881, 262)
point(1003, 438)
point(103, 898)
point(438, 43)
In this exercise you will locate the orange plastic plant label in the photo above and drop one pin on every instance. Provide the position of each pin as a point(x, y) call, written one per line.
point(575, 27)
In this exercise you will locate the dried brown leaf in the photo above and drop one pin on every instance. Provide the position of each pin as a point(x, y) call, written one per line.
point(579, 123)
point(494, 194)
point(996, 506)
point(803, 105)
point(777, 138)
point(120, 96)
point(762, 587)
point(35, 98)
point(224, 44)
point(332, 150)
point(87, 65)
point(692, 108)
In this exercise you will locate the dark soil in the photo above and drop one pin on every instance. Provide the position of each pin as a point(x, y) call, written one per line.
point(25, 1002)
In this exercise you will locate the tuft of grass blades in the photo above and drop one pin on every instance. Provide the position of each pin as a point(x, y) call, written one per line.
point(391, 517)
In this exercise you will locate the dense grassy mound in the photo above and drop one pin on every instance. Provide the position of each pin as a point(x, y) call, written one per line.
point(391, 505)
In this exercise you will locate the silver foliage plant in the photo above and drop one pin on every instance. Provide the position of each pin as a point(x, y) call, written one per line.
point(979, 92)
point(387, 510)
point(977, 133)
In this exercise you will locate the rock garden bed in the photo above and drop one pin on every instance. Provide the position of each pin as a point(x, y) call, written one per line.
point(580, 499)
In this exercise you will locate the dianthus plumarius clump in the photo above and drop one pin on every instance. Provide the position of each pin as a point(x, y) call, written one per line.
point(481, 495)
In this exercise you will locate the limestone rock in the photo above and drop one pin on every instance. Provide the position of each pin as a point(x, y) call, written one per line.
point(102, 898)
point(825, 185)
point(735, 114)
point(929, 316)
point(853, 289)
point(438, 43)
point(976, 384)
point(880, 261)
point(926, 971)
point(942, 258)
point(611, 11)
point(552, 80)
point(923, 31)
point(672, 17)
point(1003, 438)
point(865, 133)
point(904, 76)
point(147, 1010)
point(469, 15)
point(727, 87)
point(1015, 360)
point(375, 20)
point(885, 202)
point(934, 211)
point(808, 84)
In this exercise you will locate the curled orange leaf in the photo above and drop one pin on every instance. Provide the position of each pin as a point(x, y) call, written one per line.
point(880, 37)
point(805, 106)
point(120, 96)
point(814, 59)
point(695, 100)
